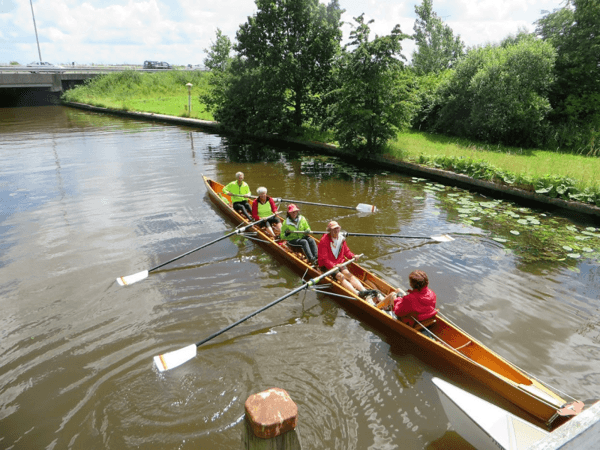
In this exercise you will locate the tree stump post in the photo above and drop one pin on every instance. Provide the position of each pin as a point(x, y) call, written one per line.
point(270, 422)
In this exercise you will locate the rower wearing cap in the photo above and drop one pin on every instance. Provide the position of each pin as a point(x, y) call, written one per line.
point(295, 230)
point(333, 250)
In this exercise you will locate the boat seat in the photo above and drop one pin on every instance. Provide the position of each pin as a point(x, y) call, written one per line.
point(425, 324)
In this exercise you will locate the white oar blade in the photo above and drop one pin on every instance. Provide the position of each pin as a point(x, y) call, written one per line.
point(442, 238)
point(363, 207)
point(171, 360)
point(130, 279)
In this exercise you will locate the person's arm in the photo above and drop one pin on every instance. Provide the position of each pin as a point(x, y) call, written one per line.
point(227, 190)
point(255, 210)
point(346, 251)
point(403, 306)
point(273, 205)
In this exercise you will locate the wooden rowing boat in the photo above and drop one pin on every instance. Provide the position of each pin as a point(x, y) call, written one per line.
point(447, 341)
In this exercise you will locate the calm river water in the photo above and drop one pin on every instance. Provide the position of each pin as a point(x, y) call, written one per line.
point(85, 198)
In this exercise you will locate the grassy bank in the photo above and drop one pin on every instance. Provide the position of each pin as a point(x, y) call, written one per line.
point(563, 175)
point(161, 93)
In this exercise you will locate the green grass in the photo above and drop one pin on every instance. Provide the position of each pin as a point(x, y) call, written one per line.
point(530, 162)
point(161, 93)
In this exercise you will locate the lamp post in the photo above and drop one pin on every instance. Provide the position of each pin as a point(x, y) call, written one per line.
point(35, 28)
point(189, 86)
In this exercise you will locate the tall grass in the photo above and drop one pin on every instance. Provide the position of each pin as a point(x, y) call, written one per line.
point(160, 92)
point(532, 162)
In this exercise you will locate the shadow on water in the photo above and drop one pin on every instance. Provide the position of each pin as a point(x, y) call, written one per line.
point(20, 97)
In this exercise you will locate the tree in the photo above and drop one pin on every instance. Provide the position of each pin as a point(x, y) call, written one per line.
point(294, 42)
point(372, 101)
point(499, 94)
point(437, 48)
point(218, 61)
point(575, 96)
point(218, 54)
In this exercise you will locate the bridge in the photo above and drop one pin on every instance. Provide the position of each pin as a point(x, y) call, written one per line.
point(54, 78)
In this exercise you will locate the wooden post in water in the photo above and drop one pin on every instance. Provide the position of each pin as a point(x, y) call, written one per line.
point(270, 422)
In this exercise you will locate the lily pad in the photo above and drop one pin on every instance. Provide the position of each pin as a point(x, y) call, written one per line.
point(515, 232)
point(573, 229)
point(567, 248)
point(474, 219)
point(498, 239)
point(582, 238)
point(574, 255)
point(488, 204)
point(592, 229)
point(534, 222)
point(587, 250)
point(523, 221)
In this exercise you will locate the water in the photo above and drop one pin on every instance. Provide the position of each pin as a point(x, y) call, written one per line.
point(85, 198)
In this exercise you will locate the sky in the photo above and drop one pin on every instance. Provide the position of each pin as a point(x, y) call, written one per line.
point(179, 31)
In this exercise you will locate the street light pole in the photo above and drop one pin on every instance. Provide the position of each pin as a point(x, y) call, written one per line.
point(35, 28)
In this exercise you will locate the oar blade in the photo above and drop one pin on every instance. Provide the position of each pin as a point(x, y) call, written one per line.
point(130, 279)
point(442, 238)
point(363, 207)
point(174, 359)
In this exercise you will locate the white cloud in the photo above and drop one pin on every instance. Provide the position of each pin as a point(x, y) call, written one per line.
point(178, 31)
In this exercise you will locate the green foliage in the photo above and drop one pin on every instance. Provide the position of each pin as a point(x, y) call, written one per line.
point(553, 186)
point(285, 53)
point(437, 48)
point(575, 96)
point(374, 98)
point(218, 58)
point(14, 63)
point(497, 94)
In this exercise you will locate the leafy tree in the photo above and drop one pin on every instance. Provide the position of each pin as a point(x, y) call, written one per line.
point(575, 96)
point(218, 60)
point(500, 94)
point(218, 54)
point(437, 48)
point(293, 43)
point(373, 100)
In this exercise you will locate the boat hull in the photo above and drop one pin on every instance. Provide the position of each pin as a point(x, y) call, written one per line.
point(450, 343)
point(483, 425)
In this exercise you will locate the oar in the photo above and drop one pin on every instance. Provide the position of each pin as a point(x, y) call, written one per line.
point(362, 207)
point(130, 279)
point(438, 238)
point(176, 358)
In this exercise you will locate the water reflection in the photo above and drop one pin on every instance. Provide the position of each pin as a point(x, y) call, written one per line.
point(88, 197)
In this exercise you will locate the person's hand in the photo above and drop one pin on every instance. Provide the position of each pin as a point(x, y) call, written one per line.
point(307, 232)
point(356, 257)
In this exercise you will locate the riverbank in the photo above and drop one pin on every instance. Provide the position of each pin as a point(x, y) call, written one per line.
point(386, 162)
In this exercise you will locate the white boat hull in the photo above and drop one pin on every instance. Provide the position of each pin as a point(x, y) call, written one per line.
point(483, 425)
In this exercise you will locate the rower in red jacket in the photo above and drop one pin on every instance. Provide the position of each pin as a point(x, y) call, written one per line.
point(333, 251)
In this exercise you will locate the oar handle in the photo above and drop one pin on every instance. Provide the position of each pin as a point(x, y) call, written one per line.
point(238, 231)
point(280, 299)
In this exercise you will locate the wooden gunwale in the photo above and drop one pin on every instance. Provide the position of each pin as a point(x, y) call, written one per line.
point(457, 347)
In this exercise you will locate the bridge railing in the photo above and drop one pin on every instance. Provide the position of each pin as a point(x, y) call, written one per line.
point(81, 69)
